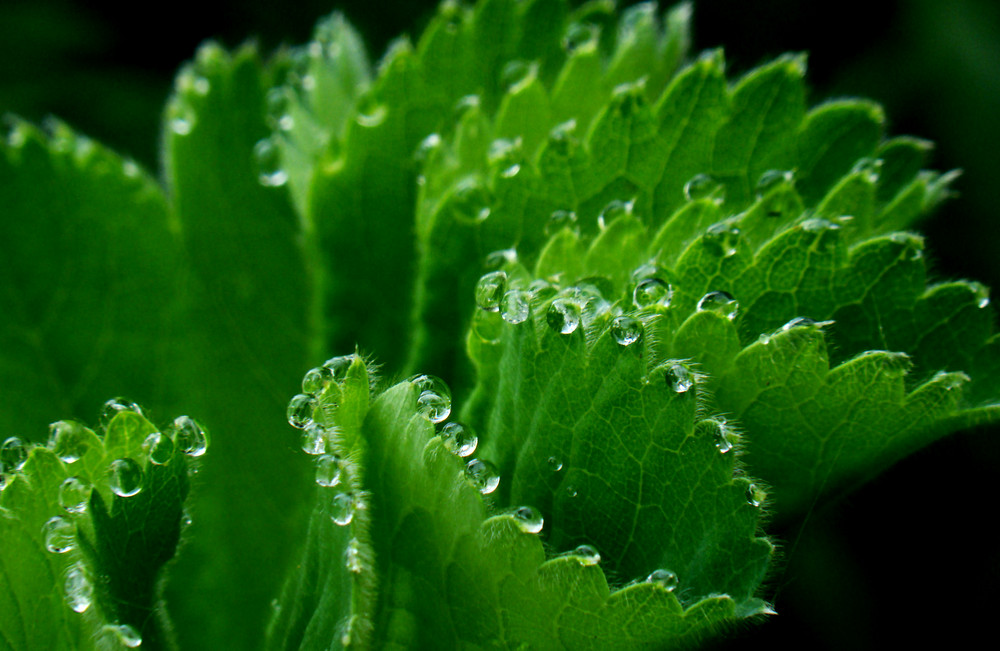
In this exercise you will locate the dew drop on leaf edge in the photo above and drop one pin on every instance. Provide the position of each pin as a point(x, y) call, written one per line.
point(663, 578)
point(78, 590)
point(189, 437)
point(528, 518)
point(434, 397)
point(159, 448)
point(300, 410)
point(125, 477)
point(460, 439)
point(342, 509)
point(74, 493)
point(483, 475)
point(59, 535)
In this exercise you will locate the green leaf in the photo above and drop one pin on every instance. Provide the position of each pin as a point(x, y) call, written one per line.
point(251, 322)
point(451, 561)
point(76, 573)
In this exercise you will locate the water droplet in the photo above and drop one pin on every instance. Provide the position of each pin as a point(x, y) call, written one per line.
point(517, 73)
point(559, 220)
point(60, 535)
point(562, 137)
point(267, 157)
point(329, 470)
point(679, 378)
point(663, 578)
point(870, 167)
point(505, 154)
point(79, 591)
point(529, 520)
point(353, 558)
point(722, 239)
point(515, 306)
point(490, 290)
point(772, 179)
point(189, 437)
point(580, 35)
point(587, 555)
point(313, 439)
point(571, 491)
point(277, 101)
point(720, 432)
point(181, 118)
point(126, 634)
point(470, 201)
point(755, 495)
point(125, 477)
point(434, 399)
point(68, 440)
point(804, 322)
point(342, 509)
point(13, 454)
point(300, 410)
point(460, 439)
point(614, 210)
point(427, 147)
point(74, 493)
point(499, 259)
point(371, 112)
point(338, 367)
point(483, 475)
point(315, 379)
point(464, 105)
point(555, 464)
point(721, 303)
point(112, 407)
point(626, 330)
point(950, 381)
point(981, 293)
point(563, 316)
point(701, 186)
point(651, 291)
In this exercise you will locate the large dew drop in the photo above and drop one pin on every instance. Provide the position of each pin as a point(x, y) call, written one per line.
point(189, 437)
point(127, 635)
point(342, 509)
point(483, 475)
point(434, 399)
point(720, 303)
point(59, 534)
point(338, 367)
point(125, 477)
point(587, 555)
point(68, 440)
point(515, 306)
point(651, 291)
point(328, 470)
point(79, 591)
point(300, 410)
point(626, 330)
point(74, 493)
point(664, 579)
point(315, 380)
point(563, 316)
point(528, 519)
point(159, 448)
point(314, 439)
point(113, 407)
point(13, 454)
point(679, 378)
point(460, 439)
point(490, 290)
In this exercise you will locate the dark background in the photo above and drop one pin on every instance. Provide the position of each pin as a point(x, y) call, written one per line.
point(911, 558)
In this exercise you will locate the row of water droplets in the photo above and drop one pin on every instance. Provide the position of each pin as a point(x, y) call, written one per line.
point(70, 441)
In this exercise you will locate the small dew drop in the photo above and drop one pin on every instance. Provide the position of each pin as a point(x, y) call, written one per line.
point(465, 105)
point(126, 634)
point(719, 302)
point(483, 475)
point(500, 258)
point(189, 437)
point(267, 156)
point(490, 290)
point(679, 378)
point(342, 509)
point(13, 454)
point(578, 36)
point(755, 495)
point(68, 440)
point(434, 399)
point(614, 210)
point(159, 448)
point(277, 102)
point(587, 555)
point(722, 239)
point(60, 535)
point(700, 186)
point(329, 470)
point(371, 113)
point(626, 330)
point(563, 316)
point(125, 477)
point(559, 220)
point(460, 439)
point(870, 167)
point(338, 367)
point(664, 579)
point(517, 73)
point(555, 464)
point(772, 179)
point(981, 293)
point(113, 407)
point(515, 306)
point(651, 291)
point(300, 410)
point(79, 591)
point(721, 434)
point(313, 439)
point(74, 494)
point(427, 147)
point(529, 520)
